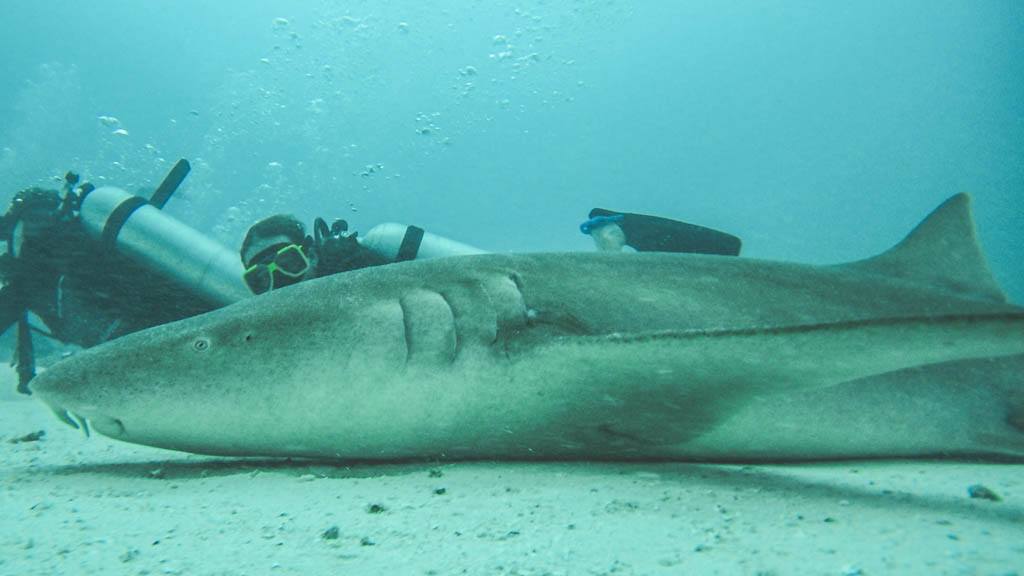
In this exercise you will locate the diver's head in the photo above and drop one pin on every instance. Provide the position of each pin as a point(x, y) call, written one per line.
point(606, 230)
point(274, 253)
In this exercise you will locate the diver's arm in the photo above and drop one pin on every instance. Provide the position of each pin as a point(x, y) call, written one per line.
point(12, 305)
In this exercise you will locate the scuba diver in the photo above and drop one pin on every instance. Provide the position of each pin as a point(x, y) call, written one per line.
point(277, 252)
point(615, 231)
point(82, 260)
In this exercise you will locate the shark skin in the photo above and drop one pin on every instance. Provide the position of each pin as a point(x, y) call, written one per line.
point(580, 355)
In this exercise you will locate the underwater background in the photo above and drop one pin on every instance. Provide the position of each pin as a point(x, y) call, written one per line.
point(817, 131)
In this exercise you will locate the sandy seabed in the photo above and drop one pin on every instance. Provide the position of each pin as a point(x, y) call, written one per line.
point(72, 505)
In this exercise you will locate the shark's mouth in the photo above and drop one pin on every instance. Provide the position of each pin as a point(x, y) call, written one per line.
point(105, 425)
point(71, 419)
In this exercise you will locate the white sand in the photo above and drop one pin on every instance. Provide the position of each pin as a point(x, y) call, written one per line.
point(72, 505)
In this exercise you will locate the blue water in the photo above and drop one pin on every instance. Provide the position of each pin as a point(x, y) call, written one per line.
point(817, 131)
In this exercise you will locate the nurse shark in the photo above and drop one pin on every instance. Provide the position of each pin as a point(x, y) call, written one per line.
point(583, 355)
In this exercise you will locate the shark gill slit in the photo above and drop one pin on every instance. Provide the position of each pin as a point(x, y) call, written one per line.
point(499, 293)
point(517, 280)
point(406, 329)
point(523, 320)
point(492, 303)
point(518, 286)
point(455, 326)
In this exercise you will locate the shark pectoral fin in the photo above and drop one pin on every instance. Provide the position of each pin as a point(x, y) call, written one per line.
point(617, 395)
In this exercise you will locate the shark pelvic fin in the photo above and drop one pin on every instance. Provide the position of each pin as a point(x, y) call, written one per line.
point(943, 251)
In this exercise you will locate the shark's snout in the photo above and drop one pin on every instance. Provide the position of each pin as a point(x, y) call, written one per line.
point(51, 387)
point(65, 392)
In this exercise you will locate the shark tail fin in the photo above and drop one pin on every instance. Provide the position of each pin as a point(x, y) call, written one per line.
point(943, 251)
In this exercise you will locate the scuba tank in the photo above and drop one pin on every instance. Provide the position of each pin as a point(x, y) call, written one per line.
point(397, 242)
point(141, 231)
point(337, 249)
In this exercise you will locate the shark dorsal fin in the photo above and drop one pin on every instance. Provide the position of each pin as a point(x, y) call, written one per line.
point(942, 251)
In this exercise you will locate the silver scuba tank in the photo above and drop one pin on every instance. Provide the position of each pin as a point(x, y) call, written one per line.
point(163, 244)
point(400, 242)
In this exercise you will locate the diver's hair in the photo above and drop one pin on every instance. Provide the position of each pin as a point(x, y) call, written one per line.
point(276, 225)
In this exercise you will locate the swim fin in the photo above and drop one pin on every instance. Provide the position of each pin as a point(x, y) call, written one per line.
point(656, 234)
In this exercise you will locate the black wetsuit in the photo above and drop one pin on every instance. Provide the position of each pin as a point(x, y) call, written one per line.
point(84, 294)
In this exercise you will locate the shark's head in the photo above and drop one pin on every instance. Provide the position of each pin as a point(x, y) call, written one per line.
point(235, 369)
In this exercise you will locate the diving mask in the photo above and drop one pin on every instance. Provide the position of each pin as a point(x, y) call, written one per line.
point(289, 261)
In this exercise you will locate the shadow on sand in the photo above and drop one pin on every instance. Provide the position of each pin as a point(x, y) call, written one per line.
point(770, 480)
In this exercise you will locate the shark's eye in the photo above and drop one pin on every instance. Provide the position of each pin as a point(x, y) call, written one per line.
point(201, 344)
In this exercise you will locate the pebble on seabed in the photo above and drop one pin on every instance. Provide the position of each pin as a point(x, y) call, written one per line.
point(982, 492)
